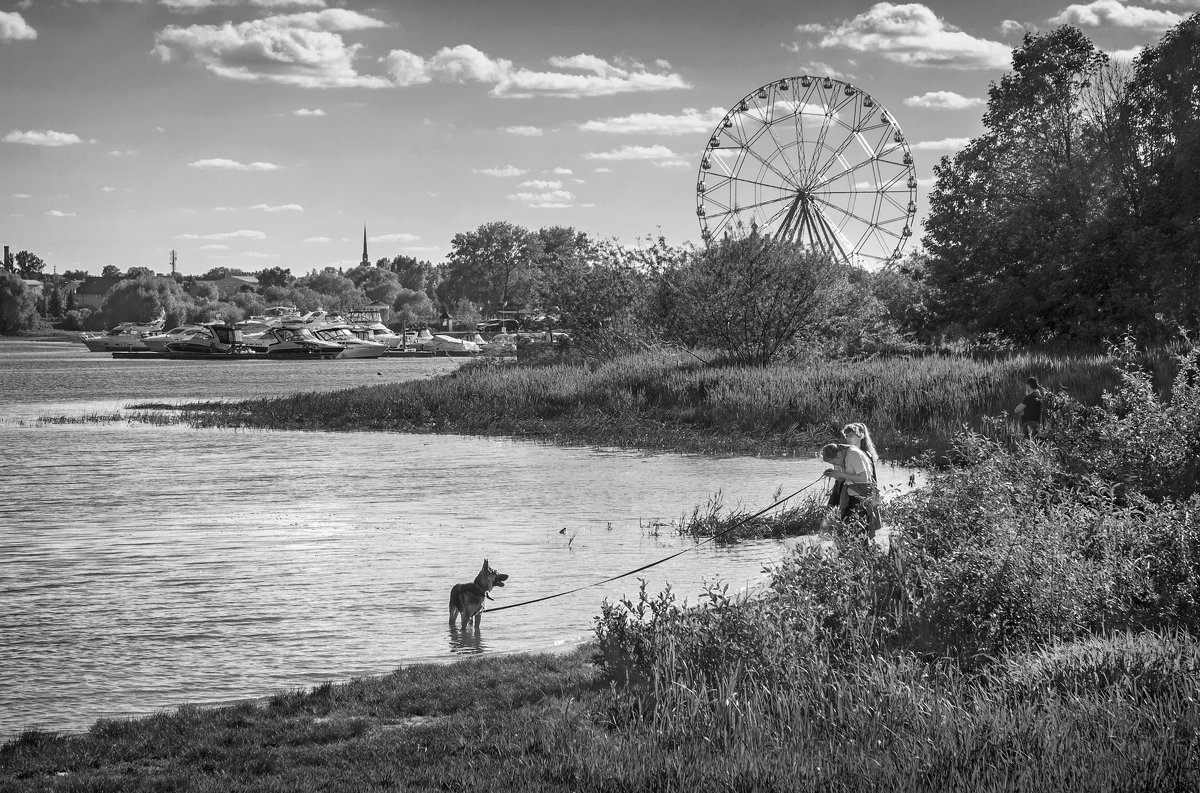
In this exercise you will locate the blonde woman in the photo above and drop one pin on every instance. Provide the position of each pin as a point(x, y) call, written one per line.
point(859, 436)
point(851, 469)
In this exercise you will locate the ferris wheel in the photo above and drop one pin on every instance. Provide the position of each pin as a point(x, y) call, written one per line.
point(812, 160)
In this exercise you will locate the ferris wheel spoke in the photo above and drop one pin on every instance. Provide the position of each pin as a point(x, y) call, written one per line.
point(844, 211)
point(779, 147)
point(767, 164)
point(830, 232)
point(846, 172)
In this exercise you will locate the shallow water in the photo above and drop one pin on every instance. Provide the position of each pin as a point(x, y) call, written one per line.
point(144, 567)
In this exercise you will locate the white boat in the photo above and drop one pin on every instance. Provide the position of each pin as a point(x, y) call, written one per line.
point(215, 338)
point(292, 341)
point(157, 342)
point(440, 343)
point(354, 347)
point(125, 337)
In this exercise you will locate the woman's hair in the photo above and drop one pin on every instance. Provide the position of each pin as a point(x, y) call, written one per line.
point(830, 451)
point(867, 445)
point(1033, 383)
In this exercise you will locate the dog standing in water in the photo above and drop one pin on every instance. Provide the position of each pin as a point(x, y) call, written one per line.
point(467, 599)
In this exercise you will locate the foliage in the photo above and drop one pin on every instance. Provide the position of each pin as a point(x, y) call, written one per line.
point(1074, 213)
point(18, 304)
point(274, 276)
point(492, 266)
point(26, 264)
point(750, 296)
point(143, 299)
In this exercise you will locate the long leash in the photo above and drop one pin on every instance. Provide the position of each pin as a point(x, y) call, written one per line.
point(722, 533)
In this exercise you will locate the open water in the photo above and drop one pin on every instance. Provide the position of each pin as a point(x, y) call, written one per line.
point(145, 567)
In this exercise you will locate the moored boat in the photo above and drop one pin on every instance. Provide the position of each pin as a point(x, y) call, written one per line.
point(127, 336)
point(353, 346)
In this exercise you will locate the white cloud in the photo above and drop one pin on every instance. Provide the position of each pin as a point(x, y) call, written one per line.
point(279, 207)
point(303, 49)
point(812, 27)
point(913, 35)
point(122, 153)
point(220, 163)
point(541, 184)
point(1113, 13)
point(318, 239)
point(108, 189)
point(214, 246)
point(689, 121)
point(304, 111)
point(634, 153)
point(937, 145)
point(602, 169)
point(47, 137)
point(560, 171)
point(55, 213)
point(399, 237)
point(553, 199)
point(188, 6)
point(673, 164)
point(1127, 55)
point(13, 27)
point(508, 170)
point(225, 235)
point(529, 132)
point(1011, 26)
point(945, 100)
point(577, 76)
point(21, 195)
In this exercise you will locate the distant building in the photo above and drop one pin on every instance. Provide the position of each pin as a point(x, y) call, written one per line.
point(34, 285)
point(365, 260)
point(235, 283)
point(93, 289)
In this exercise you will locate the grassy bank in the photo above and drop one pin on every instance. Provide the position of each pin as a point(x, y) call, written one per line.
point(562, 723)
point(675, 402)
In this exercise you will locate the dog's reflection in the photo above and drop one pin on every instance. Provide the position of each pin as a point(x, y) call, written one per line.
point(466, 642)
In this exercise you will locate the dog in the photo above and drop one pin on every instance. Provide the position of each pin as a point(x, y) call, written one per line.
point(466, 600)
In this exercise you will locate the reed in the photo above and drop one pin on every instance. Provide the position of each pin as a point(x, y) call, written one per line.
point(672, 401)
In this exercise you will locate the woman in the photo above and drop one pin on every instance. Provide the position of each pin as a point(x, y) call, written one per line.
point(859, 436)
point(851, 468)
point(1029, 410)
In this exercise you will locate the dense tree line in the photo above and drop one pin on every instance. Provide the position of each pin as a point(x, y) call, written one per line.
point(1077, 212)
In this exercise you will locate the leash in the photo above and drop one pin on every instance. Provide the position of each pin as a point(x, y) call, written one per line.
point(722, 533)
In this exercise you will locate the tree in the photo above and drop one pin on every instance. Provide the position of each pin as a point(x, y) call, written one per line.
point(336, 291)
point(75, 275)
point(413, 306)
point(217, 273)
point(599, 292)
point(28, 265)
point(492, 266)
point(274, 276)
point(1164, 125)
point(144, 299)
point(54, 305)
point(110, 271)
point(18, 304)
point(1007, 213)
point(750, 296)
point(415, 275)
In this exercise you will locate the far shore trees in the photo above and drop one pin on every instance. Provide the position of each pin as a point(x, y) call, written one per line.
point(751, 297)
point(18, 304)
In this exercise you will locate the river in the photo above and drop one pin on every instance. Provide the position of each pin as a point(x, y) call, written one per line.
point(144, 567)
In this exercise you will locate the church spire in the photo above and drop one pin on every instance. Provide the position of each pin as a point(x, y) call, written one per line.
point(365, 259)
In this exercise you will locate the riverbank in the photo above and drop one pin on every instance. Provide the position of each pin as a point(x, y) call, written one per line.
point(673, 402)
point(557, 723)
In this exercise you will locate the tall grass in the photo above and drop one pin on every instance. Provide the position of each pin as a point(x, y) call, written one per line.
point(670, 401)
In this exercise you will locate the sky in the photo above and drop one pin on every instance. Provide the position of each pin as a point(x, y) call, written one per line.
point(262, 133)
